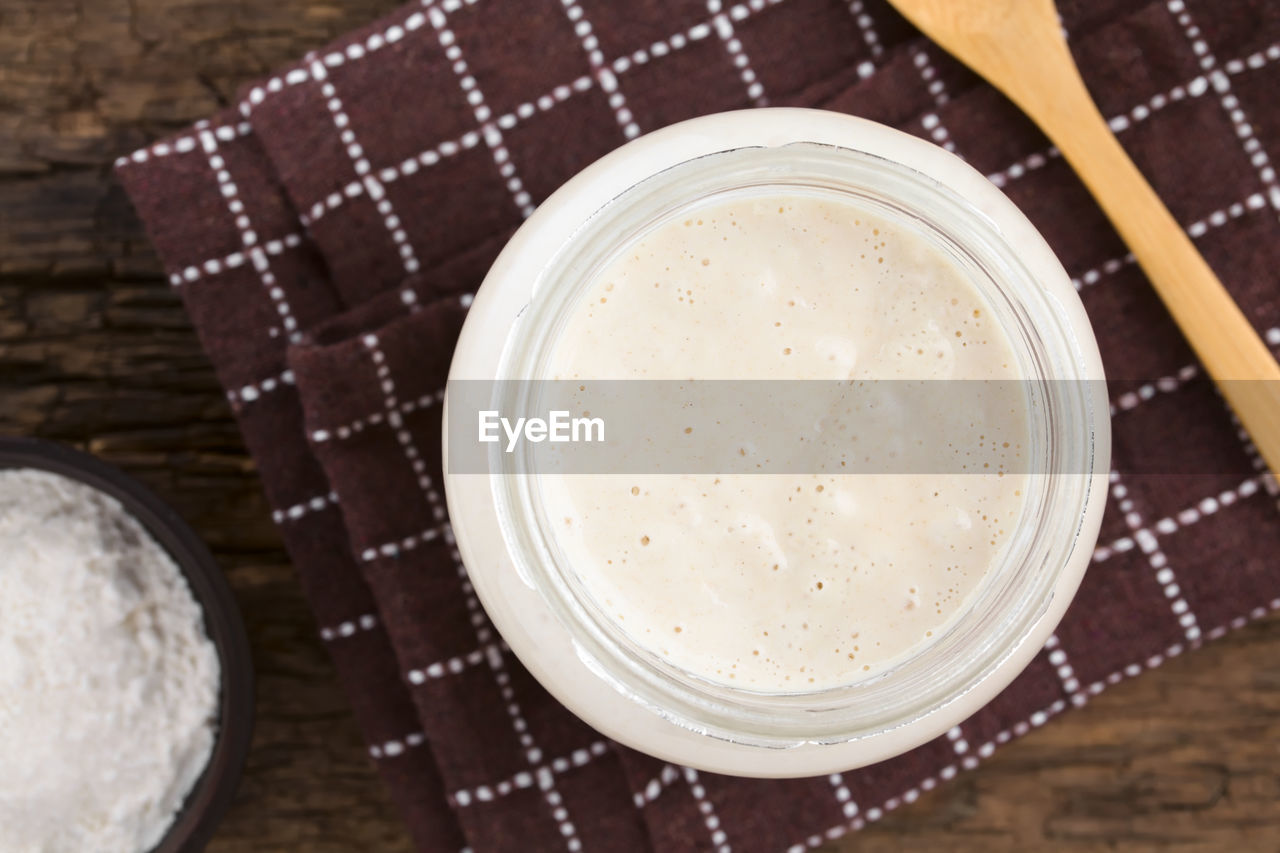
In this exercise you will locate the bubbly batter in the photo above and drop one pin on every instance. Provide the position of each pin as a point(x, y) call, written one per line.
point(786, 583)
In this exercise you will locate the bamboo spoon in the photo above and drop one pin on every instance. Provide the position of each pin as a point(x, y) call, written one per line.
point(1018, 46)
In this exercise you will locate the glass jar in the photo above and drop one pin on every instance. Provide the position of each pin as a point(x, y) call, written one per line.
point(540, 605)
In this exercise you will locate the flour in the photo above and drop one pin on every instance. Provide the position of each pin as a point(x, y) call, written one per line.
point(108, 682)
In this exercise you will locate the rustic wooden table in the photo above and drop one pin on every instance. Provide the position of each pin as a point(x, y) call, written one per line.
point(95, 350)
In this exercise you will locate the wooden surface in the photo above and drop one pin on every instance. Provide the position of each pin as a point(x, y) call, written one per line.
point(95, 350)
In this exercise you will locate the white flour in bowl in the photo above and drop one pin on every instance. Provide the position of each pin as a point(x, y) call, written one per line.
point(108, 682)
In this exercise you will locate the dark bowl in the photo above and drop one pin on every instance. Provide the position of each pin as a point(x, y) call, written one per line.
point(207, 802)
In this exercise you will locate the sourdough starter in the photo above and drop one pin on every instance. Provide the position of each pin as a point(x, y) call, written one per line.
point(786, 583)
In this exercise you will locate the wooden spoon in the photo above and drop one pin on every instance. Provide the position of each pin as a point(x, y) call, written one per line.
point(1018, 46)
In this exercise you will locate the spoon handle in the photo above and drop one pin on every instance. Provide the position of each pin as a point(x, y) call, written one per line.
point(1227, 344)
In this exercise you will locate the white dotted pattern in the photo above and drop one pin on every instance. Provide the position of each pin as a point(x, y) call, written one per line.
point(358, 50)
point(927, 784)
point(930, 121)
point(1107, 268)
point(359, 425)
point(1221, 83)
point(1146, 540)
point(393, 748)
point(1030, 163)
point(507, 121)
point(447, 149)
point(185, 144)
point(1066, 674)
point(349, 628)
point(394, 549)
point(255, 390)
point(489, 130)
point(444, 150)
point(1266, 478)
point(1035, 720)
point(653, 789)
point(528, 778)
point(658, 49)
point(600, 69)
point(1193, 88)
point(298, 510)
point(231, 261)
point(708, 810)
point(723, 25)
point(1221, 217)
point(842, 795)
point(1169, 524)
point(484, 634)
point(937, 132)
point(451, 666)
point(396, 421)
point(368, 182)
point(1196, 229)
point(416, 20)
point(864, 22)
point(332, 201)
point(533, 754)
point(1163, 385)
point(248, 237)
point(933, 83)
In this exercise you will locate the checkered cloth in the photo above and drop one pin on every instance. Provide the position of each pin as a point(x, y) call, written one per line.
point(326, 234)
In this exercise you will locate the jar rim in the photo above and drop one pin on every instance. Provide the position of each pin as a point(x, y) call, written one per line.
point(911, 702)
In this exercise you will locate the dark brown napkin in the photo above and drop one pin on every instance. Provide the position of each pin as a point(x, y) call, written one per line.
point(326, 235)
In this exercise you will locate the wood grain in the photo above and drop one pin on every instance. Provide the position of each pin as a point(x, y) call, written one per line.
point(95, 350)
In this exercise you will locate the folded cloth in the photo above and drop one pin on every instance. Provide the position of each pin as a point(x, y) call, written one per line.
point(326, 235)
